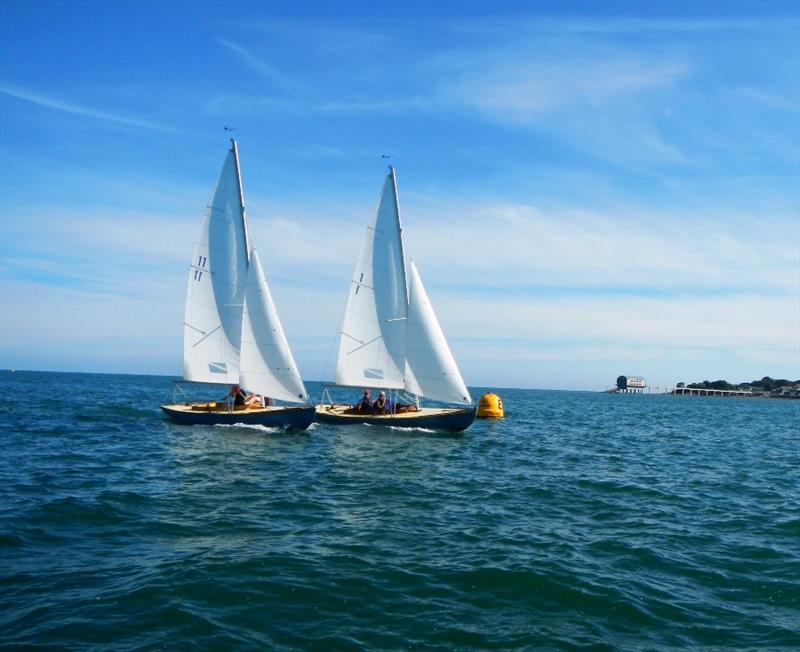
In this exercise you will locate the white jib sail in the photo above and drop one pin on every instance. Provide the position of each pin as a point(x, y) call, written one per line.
point(213, 319)
point(371, 349)
point(267, 365)
point(433, 370)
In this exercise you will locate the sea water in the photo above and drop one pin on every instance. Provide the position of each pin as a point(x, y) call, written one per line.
point(581, 519)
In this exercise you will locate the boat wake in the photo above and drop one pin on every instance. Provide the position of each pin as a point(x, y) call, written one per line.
point(413, 429)
point(400, 429)
point(273, 430)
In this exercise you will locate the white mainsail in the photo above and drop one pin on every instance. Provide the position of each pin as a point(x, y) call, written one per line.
point(431, 370)
point(372, 341)
point(213, 319)
point(390, 336)
point(267, 365)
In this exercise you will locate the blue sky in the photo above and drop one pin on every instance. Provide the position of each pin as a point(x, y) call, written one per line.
point(588, 189)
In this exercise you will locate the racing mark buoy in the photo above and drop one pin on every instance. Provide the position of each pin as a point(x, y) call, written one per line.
point(490, 407)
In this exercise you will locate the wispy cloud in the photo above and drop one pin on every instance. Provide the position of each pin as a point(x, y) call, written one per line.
point(238, 103)
point(110, 251)
point(535, 84)
point(607, 100)
point(244, 104)
point(327, 37)
point(772, 100)
point(656, 252)
point(76, 109)
point(269, 72)
point(596, 26)
point(395, 105)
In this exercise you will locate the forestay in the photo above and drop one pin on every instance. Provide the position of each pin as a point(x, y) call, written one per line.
point(217, 274)
point(267, 364)
point(371, 347)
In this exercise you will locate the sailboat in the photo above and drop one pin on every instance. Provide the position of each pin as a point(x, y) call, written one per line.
point(231, 333)
point(390, 339)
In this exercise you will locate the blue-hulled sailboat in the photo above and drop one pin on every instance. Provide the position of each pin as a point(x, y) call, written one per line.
point(390, 338)
point(232, 334)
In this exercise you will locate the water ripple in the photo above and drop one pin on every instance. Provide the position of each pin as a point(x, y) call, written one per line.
point(580, 520)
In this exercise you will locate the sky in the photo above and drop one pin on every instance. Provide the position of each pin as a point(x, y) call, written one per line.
point(587, 189)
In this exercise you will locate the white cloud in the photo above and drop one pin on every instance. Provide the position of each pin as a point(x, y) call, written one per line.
point(513, 285)
point(503, 247)
point(728, 323)
point(69, 107)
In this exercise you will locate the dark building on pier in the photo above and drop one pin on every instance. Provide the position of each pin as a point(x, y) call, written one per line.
point(631, 384)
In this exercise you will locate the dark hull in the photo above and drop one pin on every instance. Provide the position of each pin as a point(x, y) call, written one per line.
point(296, 418)
point(428, 418)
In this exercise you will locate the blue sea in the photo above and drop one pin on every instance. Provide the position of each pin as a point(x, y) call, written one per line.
point(580, 520)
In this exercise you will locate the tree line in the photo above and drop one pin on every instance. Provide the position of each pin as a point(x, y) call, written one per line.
point(766, 384)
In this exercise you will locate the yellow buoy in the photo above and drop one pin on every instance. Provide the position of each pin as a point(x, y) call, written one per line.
point(490, 407)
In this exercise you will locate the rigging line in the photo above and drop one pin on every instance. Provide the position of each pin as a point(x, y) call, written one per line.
point(380, 337)
point(233, 219)
point(352, 338)
point(194, 328)
point(328, 366)
point(363, 285)
point(206, 336)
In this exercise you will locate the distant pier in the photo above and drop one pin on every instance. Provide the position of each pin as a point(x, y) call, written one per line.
point(694, 391)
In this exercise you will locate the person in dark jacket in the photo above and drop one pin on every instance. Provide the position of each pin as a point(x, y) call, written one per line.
point(365, 404)
point(238, 395)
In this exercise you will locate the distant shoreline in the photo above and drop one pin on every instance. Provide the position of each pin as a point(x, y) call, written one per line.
point(665, 391)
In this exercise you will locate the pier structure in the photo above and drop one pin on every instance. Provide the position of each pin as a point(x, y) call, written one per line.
point(695, 391)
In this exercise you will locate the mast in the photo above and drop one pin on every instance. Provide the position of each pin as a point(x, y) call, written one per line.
point(235, 150)
point(393, 175)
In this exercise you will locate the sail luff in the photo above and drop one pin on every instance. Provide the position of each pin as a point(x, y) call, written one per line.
point(240, 186)
point(396, 197)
